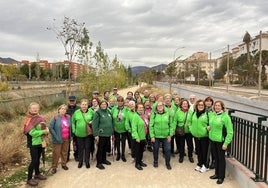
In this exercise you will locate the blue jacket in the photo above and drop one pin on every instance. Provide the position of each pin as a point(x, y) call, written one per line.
point(55, 128)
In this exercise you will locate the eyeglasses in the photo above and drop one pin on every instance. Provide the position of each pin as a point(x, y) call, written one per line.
point(200, 105)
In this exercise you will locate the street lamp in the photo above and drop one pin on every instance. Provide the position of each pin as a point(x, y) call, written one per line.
point(176, 51)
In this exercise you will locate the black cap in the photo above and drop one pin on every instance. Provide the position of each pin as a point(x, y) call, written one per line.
point(95, 92)
point(72, 98)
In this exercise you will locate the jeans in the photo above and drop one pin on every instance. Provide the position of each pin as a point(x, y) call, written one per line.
point(167, 146)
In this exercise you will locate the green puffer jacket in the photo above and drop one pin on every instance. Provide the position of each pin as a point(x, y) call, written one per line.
point(34, 136)
point(129, 118)
point(198, 125)
point(119, 124)
point(217, 122)
point(102, 123)
point(179, 120)
point(161, 125)
point(138, 132)
point(79, 122)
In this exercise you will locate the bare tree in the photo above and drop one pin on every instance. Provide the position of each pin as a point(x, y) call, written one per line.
point(69, 34)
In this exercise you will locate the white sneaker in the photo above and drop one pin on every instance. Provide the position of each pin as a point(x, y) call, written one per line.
point(203, 169)
point(197, 168)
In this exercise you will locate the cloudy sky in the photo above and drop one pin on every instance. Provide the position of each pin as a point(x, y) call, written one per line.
point(139, 32)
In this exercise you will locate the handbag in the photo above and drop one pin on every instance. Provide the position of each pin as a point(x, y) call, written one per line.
point(89, 130)
point(179, 131)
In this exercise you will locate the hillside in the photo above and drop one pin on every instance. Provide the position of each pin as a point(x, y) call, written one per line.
point(138, 69)
point(7, 60)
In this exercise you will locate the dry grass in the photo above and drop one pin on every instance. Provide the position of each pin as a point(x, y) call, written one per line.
point(13, 149)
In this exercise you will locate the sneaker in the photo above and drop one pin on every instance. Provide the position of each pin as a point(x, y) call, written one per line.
point(203, 169)
point(40, 177)
point(31, 182)
point(197, 168)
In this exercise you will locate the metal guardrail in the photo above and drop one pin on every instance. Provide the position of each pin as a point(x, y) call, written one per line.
point(249, 144)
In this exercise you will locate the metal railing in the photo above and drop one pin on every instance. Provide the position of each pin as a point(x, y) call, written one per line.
point(249, 144)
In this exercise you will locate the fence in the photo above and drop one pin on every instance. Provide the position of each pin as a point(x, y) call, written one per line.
point(249, 145)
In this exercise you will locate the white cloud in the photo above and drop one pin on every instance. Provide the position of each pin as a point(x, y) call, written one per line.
point(139, 32)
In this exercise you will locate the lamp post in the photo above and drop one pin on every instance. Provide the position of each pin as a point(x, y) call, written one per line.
point(260, 68)
point(176, 51)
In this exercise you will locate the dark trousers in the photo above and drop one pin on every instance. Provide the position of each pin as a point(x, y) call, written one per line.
point(103, 145)
point(190, 146)
point(35, 153)
point(84, 146)
point(172, 146)
point(120, 138)
point(220, 163)
point(139, 149)
point(133, 143)
point(201, 146)
point(129, 140)
point(166, 146)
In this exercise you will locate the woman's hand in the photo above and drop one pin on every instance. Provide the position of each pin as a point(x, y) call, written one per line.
point(46, 131)
point(208, 128)
point(168, 138)
point(224, 147)
point(152, 139)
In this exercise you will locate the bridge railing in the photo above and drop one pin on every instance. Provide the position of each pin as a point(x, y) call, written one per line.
point(249, 145)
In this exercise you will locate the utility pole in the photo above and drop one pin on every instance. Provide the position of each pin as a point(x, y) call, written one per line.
point(260, 67)
point(228, 62)
point(210, 73)
point(198, 73)
point(30, 72)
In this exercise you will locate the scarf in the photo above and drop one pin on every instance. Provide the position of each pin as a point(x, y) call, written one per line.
point(199, 113)
point(31, 121)
point(146, 122)
point(120, 115)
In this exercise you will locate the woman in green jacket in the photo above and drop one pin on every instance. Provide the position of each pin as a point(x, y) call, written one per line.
point(120, 132)
point(34, 129)
point(161, 131)
point(102, 130)
point(198, 121)
point(180, 120)
point(221, 134)
point(139, 135)
point(80, 119)
point(129, 117)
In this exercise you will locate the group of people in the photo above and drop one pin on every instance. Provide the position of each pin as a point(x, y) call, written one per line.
point(151, 121)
